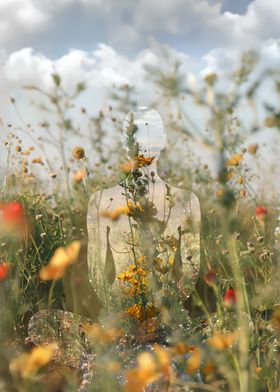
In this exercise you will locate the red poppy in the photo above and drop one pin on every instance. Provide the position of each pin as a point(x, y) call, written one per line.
point(230, 298)
point(4, 269)
point(261, 213)
point(12, 219)
point(12, 211)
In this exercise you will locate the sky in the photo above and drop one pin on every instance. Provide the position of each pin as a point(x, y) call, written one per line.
point(52, 27)
point(100, 37)
point(111, 41)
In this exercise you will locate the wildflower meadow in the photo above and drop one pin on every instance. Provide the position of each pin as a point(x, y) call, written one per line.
point(139, 246)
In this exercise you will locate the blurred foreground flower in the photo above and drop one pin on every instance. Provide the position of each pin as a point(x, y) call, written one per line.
point(4, 270)
point(193, 362)
point(62, 258)
point(144, 374)
point(27, 364)
point(12, 218)
point(100, 334)
point(150, 369)
point(222, 341)
point(79, 176)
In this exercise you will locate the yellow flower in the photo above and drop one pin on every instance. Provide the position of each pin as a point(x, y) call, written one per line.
point(270, 122)
point(146, 373)
point(220, 193)
point(230, 175)
point(240, 180)
point(193, 362)
point(138, 162)
point(235, 160)
point(27, 364)
point(79, 176)
point(38, 160)
point(143, 161)
point(128, 166)
point(25, 153)
point(127, 276)
point(222, 341)
point(101, 334)
point(62, 258)
point(78, 153)
point(139, 312)
point(253, 148)
point(130, 209)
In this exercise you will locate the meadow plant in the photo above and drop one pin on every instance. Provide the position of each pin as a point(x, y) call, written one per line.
point(161, 329)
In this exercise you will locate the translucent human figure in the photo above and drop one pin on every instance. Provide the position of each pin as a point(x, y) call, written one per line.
point(143, 218)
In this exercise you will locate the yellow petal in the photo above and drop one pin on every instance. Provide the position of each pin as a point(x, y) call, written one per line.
point(194, 362)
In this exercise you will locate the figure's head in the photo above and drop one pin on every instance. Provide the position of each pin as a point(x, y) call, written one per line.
point(144, 128)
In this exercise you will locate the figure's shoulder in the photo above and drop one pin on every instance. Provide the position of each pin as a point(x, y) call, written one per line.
point(112, 194)
point(185, 196)
point(183, 193)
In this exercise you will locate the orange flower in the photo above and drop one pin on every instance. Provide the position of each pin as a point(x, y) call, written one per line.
point(130, 209)
point(78, 153)
point(208, 369)
point(27, 364)
point(146, 373)
point(163, 359)
point(234, 160)
point(98, 333)
point(193, 362)
point(240, 180)
point(129, 166)
point(62, 258)
point(38, 160)
point(138, 312)
point(79, 176)
point(222, 341)
point(127, 276)
point(143, 161)
point(253, 148)
point(230, 175)
point(138, 162)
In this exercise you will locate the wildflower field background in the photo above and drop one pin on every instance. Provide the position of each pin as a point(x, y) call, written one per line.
point(219, 332)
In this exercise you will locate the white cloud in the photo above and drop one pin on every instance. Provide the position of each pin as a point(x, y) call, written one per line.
point(19, 16)
point(129, 24)
point(227, 59)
